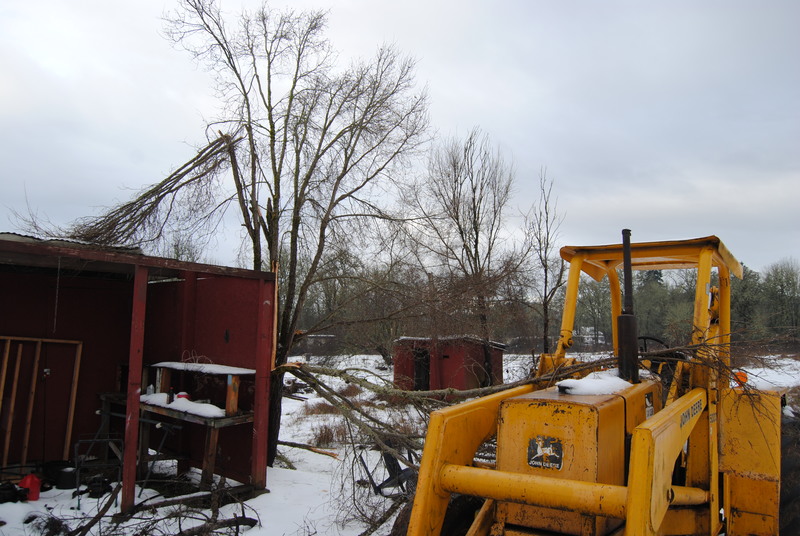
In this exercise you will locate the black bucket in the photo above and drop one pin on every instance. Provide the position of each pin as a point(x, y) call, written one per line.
point(50, 469)
point(60, 473)
point(67, 478)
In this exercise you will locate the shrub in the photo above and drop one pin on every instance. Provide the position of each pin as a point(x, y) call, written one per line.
point(327, 434)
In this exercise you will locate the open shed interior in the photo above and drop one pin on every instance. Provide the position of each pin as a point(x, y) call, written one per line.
point(68, 336)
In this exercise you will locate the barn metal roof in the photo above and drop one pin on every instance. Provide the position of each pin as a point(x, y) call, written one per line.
point(21, 252)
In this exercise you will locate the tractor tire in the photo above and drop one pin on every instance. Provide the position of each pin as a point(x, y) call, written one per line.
point(459, 516)
point(790, 477)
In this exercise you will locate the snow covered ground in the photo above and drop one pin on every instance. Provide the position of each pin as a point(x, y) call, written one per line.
point(311, 500)
point(314, 498)
point(777, 372)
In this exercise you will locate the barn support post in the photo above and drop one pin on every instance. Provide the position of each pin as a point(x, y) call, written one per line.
point(134, 388)
point(265, 362)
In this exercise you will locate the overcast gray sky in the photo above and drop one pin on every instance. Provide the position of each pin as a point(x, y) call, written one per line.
point(674, 119)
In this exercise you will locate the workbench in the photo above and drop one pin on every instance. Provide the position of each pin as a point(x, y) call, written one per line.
point(184, 410)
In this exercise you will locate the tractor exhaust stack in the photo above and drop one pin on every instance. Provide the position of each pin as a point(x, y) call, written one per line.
point(626, 322)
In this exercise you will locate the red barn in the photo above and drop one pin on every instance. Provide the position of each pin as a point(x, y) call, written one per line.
point(459, 362)
point(78, 322)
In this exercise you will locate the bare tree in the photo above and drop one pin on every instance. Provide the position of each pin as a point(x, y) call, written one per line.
point(456, 224)
point(592, 310)
point(542, 224)
point(316, 143)
point(303, 150)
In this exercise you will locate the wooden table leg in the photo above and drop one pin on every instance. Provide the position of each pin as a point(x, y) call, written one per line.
point(232, 396)
point(209, 458)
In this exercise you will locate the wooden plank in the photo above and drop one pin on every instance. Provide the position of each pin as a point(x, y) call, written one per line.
point(212, 422)
point(232, 395)
point(12, 403)
point(37, 339)
point(164, 380)
point(209, 369)
point(73, 396)
point(31, 400)
point(134, 389)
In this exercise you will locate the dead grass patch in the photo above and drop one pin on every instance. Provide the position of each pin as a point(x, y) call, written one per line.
point(327, 434)
point(320, 408)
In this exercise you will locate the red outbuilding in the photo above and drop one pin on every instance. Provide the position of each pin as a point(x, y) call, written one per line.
point(86, 331)
point(467, 362)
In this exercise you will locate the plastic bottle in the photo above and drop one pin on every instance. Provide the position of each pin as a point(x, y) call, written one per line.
point(33, 484)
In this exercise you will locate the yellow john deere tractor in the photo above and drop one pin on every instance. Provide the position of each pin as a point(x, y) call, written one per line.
point(701, 457)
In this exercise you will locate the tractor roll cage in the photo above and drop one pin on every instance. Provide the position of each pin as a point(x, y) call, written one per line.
point(701, 254)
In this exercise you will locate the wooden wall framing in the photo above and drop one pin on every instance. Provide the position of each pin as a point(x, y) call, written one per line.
point(20, 341)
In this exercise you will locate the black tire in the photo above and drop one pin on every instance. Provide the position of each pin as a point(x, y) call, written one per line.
point(790, 477)
point(459, 516)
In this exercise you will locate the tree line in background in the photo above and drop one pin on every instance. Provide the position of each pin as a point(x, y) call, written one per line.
point(376, 227)
point(765, 312)
point(765, 308)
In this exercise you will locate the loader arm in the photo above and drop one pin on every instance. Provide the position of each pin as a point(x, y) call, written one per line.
point(655, 446)
point(454, 435)
point(643, 503)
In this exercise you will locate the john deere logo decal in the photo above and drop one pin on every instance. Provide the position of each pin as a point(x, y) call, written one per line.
point(649, 409)
point(545, 452)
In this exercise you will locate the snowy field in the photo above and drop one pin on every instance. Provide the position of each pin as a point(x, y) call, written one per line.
point(315, 498)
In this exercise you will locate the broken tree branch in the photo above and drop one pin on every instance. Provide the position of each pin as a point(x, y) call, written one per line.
point(210, 526)
point(309, 448)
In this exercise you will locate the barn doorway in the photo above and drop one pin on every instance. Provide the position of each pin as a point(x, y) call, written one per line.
point(422, 369)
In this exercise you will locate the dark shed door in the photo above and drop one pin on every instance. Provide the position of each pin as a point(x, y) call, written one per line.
point(422, 369)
